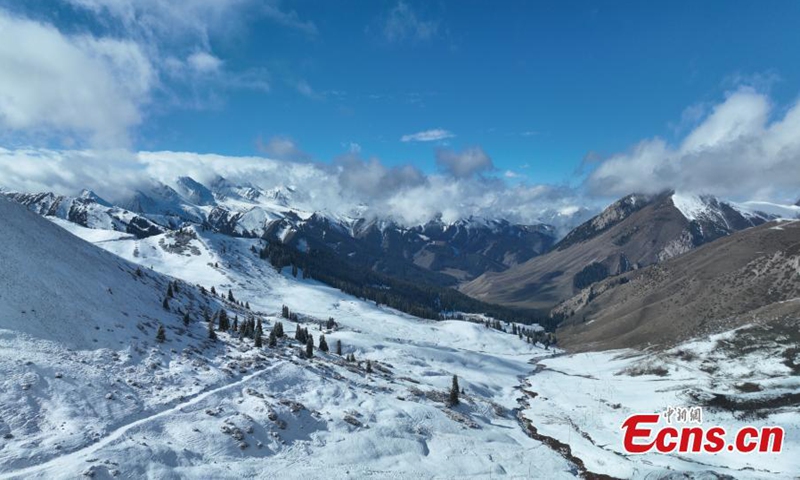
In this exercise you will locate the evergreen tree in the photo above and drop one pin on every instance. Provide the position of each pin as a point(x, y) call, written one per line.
point(211, 333)
point(453, 400)
point(139, 272)
point(169, 291)
point(247, 305)
point(294, 270)
point(203, 290)
point(175, 286)
point(213, 291)
point(235, 323)
point(165, 303)
point(323, 345)
point(339, 347)
point(223, 320)
point(259, 342)
point(310, 347)
point(230, 296)
point(369, 366)
point(161, 335)
point(279, 330)
point(273, 339)
point(186, 319)
point(298, 334)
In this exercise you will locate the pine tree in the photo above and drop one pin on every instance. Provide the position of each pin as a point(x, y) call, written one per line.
point(259, 342)
point(223, 320)
point(247, 305)
point(310, 347)
point(139, 272)
point(298, 333)
point(186, 319)
point(169, 291)
point(165, 303)
point(213, 291)
point(369, 366)
point(339, 347)
point(203, 290)
point(273, 339)
point(453, 400)
point(323, 345)
point(279, 330)
point(161, 335)
point(211, 333)
point(230, 296)
point(235, 323)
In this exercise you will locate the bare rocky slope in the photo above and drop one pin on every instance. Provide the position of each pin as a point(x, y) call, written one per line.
point(632, 233)
point(752, 276)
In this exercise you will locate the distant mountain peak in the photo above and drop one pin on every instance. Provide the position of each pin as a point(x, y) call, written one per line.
point(90, 195)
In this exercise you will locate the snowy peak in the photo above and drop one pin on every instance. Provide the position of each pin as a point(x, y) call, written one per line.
point(195, 192)
point(93, 197)
point(608, 218)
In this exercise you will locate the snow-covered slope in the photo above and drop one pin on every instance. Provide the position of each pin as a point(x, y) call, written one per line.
point(87, 390)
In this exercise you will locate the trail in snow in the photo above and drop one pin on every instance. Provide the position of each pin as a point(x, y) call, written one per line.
point(76, 456)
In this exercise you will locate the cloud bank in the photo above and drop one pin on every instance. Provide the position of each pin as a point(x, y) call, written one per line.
point(743, 148)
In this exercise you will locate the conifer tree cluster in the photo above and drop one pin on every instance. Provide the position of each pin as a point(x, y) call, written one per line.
point(279, 330)
point(351, 357)
point(273, 338)
point(288, 314)
point(330, 324)
point(301, 334)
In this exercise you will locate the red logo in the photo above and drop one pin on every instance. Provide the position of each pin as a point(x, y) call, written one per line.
point(643, 434)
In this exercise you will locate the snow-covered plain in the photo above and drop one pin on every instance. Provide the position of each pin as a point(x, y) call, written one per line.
point(582, 400)
point(117, 403)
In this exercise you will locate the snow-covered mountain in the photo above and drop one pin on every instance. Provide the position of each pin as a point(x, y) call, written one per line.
point(88, 210)
point(451, 252)
point(633, 232)
point(87, 388)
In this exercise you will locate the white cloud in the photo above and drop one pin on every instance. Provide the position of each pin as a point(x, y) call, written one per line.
point(290, 19)
point(204, 62)
point(57, 84)
point(351, 185)
point(282, 148)
point(464, 164)
point(736, 151)
point(432, 135)
point(403, 23)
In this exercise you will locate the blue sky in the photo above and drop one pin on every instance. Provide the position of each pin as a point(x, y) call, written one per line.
point(532, 92)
